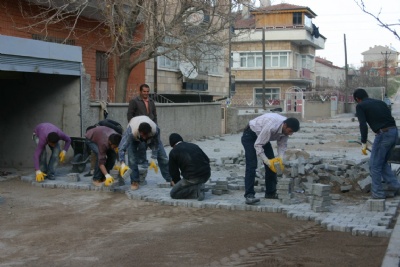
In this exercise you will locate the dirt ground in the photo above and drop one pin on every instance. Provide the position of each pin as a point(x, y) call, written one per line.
point(56, 227)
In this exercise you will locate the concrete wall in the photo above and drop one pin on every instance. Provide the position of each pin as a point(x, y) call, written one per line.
point(317, 109)
point(29, 99)
point(237, 119)
point(190, 120)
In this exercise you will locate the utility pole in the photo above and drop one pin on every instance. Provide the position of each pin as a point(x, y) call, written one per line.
point(346, 72)
point(263, 68)
point(387, 55)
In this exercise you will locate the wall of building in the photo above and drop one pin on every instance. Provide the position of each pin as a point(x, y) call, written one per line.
point(328, 77)
point(190, 120)
point(12, 23)
point(170, 81)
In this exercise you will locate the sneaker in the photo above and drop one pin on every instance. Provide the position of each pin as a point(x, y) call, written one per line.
point(50, 177)
point(271, 196)
point(251, 200)
point(200, 192)
point(134, 186)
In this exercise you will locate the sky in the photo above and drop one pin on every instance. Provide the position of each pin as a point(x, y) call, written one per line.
point(336, 18)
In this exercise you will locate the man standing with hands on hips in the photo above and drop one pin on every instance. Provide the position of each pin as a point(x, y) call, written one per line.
point(256, 140)
point(378, 116)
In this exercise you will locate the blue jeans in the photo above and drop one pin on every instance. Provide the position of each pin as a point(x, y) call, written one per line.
point(248, 139)
point(142, 154)
point(187, 189)
point(135, 155)
point(379, 167)
point(49, 168)
point(111, 157)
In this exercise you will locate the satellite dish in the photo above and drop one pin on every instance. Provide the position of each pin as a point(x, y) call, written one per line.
point(188, 69)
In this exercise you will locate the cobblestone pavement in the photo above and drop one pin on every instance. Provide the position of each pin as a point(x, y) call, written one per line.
point(321, 138)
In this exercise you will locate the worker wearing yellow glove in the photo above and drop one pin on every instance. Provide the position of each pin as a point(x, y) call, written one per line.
point(40, 176)
point(257, 143)
point(48, 135)
point(141, 129)
point(153, 166)
point(364, 148)
point(103, 141)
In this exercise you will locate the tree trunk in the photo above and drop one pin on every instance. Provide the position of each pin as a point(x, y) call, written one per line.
point(121, 82)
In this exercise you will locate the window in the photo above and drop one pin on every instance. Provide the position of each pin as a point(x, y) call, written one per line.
point(297, 18)
point(273, 60)
point(270, 94)
point(307, 62)
point(168, 61)
point(101, 66)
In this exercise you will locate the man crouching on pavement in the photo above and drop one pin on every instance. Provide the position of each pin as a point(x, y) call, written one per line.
point(103, 142)
point(192, 163)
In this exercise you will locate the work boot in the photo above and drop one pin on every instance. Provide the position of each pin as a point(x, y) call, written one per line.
point(134, 186)
point(250, 199)
point(271, 196)
point(97, 183)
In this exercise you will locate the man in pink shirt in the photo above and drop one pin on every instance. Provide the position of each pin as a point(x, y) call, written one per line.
point(256, 140)
point(48, 134)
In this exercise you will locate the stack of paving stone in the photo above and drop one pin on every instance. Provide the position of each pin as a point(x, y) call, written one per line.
point(220, 187)
point(320, 199)
point(284, 189)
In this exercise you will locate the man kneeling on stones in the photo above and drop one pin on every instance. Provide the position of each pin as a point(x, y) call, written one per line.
point(192, 163)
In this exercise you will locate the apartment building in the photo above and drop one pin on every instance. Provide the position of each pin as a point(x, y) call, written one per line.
point(289, 38)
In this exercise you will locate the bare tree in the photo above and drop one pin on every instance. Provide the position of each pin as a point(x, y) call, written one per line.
point(389, 26)
point(138, 30)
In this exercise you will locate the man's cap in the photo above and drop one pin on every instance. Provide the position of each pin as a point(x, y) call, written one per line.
point(174, 138)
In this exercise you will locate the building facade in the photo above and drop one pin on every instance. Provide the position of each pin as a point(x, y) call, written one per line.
point(289, 38)
point(328, 76)
point(380, 61)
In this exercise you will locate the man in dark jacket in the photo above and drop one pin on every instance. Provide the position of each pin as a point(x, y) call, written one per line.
point(192, 163)
point(142, 105)
point(377, 115)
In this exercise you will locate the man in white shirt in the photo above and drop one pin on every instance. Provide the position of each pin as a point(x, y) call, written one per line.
point(256, 140)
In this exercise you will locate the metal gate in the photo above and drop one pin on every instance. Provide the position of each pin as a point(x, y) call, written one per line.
point(294, 100)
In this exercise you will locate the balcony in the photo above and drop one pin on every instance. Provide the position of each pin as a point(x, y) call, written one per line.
point(297, 34)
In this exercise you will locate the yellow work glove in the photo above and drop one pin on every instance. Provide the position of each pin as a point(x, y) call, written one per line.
point(61, 156)
point(154, 166)
point(40, 176)
point(271, 163)
point(123, 169)
point(116, 150)
point(109, 180)
point(117, 166)
point(364, 148)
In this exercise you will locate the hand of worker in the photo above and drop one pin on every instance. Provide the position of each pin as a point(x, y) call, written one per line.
point(61, 156)
point(117, 167)
point(364, 148)
point(271, 163)
point(109, 180)
point(40, 176)
point(280, 160)
point(116, 150)
point(154, 166)
point(123, 169)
